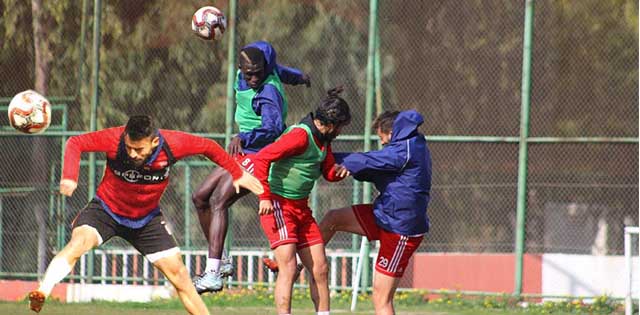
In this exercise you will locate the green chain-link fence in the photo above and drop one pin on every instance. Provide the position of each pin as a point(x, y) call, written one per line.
point(458, 63)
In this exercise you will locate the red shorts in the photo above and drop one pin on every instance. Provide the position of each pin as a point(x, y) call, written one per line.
point(246, 161)
point(291, 222)
point(395, 249)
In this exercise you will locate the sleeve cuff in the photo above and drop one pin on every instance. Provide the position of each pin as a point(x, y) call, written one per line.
point(243, 139)
point(236, 173)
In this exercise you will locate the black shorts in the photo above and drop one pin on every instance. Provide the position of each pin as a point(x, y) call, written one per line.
point(152, 238)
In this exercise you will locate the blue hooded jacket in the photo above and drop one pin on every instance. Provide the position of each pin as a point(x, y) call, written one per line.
point(268, 102)
point(401, 171)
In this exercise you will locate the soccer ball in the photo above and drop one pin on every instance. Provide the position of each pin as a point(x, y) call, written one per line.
point(209, 23)
point(29, 112)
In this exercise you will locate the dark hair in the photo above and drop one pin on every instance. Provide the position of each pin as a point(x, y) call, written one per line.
point(139, 127)
point(333, 109)
point(252, 55)
point(385, 120)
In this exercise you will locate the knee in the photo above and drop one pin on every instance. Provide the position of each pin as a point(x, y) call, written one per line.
point(380, 297)
point(215, 202)
point(178, 273)
point(220, 198)
point(288, 267)
point(199, 202)
point(82, 240)
point(329, 222)
point(320, 271)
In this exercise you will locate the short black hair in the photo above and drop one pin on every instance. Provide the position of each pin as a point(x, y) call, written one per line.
point(139, 127)
point(333, 109)
point(385, 120)
point(252, 55)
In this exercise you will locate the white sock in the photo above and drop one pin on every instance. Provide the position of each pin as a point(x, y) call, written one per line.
point(213, 264)
point(324, 313)
point(57, 270)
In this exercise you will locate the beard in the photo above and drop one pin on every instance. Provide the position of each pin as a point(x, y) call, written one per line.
point(328, 137)
point(137, 163)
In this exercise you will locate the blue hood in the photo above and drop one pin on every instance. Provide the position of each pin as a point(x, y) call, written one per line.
point(406, 125)
point(401, 172)
point(269, 54)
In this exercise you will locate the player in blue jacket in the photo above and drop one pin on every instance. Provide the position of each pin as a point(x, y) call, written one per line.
point(261, 112)
point(401, 171)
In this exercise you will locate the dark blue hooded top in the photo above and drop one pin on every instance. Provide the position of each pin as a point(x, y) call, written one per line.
point(268, 102)
point(401, 172)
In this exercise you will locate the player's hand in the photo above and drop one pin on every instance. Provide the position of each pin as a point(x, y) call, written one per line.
point(306, 80)
point(341, 171)
point(249, 182)
point(235, 146)
point(68, 186)
point(266, 207)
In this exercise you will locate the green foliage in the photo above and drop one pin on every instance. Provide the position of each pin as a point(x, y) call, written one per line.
point(150, 61)
point(458, 64)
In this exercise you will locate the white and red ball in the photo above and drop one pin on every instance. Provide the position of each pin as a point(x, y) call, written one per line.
point(29, 112)
point(209, 23)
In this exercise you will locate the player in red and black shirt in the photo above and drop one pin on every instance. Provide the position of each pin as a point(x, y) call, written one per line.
point(126, 204)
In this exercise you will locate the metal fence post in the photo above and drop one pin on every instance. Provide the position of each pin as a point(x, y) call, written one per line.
point(187, 207)
point(1, 231)
point(363, 261)
point(231, 76)
point(524, 135)
point(95, 100)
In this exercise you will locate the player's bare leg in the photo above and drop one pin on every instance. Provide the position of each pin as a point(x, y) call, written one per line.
point(343, 220)
point(83, 239)
point(286, 257)
point(384, 288)
point(212, 200)
point(201, 198)
point(314, 259)
point(335, 220)
point(222, 197)
point(173, 268)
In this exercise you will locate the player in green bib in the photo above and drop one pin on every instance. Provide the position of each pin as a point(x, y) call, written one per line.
point(288, 169)
point(261, 112)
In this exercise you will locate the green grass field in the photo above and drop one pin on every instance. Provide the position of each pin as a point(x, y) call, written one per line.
point(155, 308)
point(260, 301)
point(102, 308)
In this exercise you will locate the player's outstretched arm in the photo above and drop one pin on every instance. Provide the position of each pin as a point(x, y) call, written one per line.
point(105, 140)
point(293, 76)
point(332, 171)
point(389, 159)
point(185, 144)
point(249, 182)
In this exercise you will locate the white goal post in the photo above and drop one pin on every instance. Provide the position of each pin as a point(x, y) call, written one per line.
point(628, 301)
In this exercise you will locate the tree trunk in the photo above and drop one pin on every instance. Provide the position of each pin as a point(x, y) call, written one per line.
point(39, 161)
point(41, 48)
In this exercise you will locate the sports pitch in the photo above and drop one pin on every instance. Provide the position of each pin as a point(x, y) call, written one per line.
point(17, 308)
